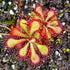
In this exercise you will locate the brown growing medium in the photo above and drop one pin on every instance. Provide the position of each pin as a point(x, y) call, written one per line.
point(20, 7)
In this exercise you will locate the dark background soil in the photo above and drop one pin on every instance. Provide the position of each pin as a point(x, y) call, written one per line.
point(59, 58)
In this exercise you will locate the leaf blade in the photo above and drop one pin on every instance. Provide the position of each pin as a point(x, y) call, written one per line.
point(35, 59)
point(42, 48)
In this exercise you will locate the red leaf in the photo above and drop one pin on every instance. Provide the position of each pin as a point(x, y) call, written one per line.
point(50, 14)
point(23, 50)
point(17, 33)
point(11, 43)
point(35, 59)
point(34, 25)
point(45, 33)
point(40, 11)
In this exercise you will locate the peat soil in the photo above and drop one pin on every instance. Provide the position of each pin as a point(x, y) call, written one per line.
point(59, 57)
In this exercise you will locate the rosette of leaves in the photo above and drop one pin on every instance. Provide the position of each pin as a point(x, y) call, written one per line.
point(50, 25)
point(26, 37)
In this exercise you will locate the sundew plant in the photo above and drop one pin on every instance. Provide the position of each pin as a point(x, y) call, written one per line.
point(29, 36)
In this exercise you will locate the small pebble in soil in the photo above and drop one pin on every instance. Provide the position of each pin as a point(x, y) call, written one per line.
point(4, 59)
point(0, 9)
point(9, 3)
point(63, 23)
point(11, 12)
point(5, 11)
point(67, 2)
point(61, 10)
point(34, 5)
point(13, 66)
point(0, 36)
point(29, 13)
point(57, 53)
point(25, 6)
point(36, 1)
point(3, 3)
point(15, 7)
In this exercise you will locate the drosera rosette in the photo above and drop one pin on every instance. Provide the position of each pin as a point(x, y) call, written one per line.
point(50, 24)
point(28, 39)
